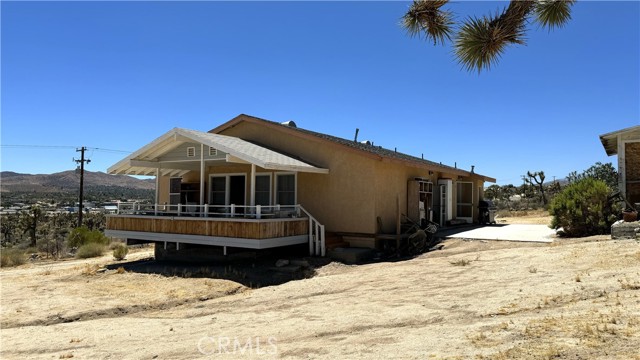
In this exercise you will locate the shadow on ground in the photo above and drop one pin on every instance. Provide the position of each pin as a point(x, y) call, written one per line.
point(253, 269)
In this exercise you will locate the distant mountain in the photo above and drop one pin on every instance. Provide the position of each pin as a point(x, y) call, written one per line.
point(68, 181)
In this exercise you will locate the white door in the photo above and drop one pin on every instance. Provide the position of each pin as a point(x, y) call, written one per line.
point(464, 201)
point(444, 199)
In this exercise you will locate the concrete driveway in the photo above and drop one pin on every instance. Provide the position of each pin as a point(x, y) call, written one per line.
point(512, 232)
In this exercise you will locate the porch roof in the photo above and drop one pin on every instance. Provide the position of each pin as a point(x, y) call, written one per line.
point(145, 161)
point(610, 140)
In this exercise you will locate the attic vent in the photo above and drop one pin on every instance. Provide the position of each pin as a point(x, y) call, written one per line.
point(213, 151)
point(289, 123)
point(366, 142)
point(191, 151)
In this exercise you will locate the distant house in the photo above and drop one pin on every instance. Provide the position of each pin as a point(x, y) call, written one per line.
point(626, 144)
point(254, 183)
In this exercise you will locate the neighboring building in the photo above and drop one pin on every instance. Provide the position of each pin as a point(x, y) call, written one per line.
point(626, 144)
point(256, 183)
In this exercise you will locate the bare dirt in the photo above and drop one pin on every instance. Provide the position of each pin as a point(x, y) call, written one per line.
point(572, 299)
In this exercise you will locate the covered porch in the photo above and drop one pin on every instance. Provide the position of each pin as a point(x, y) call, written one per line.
point(217, 190)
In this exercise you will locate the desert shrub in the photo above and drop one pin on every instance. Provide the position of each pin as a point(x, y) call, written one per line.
point(81, 236)
point(12, 257)
point(583, 208)
point(120, 250)
point(90, 250)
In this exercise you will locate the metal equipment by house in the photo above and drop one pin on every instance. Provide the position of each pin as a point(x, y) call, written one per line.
point(487, 213)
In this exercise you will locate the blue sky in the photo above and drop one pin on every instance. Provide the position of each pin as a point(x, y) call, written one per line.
point(116, 75)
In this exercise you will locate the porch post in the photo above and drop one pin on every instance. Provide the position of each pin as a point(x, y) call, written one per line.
point(157, 185)
point(201, 174)
point(253, 185)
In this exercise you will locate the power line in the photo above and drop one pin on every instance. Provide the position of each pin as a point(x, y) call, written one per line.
point(40, 146)
point(65, 147)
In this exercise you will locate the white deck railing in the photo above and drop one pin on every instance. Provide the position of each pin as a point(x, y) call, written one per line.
point(316, 235)
point(190, 210)
point(316, 230)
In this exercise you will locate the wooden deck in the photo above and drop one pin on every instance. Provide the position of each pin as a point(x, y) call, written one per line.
point(258, 229)
point(215, 227)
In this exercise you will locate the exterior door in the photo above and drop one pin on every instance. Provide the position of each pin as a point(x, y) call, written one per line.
point(227, 190)
point(237, 189)
point(444, 201)
point(464, 201)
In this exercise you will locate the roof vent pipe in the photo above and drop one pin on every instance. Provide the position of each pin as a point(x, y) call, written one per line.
point(473, 167)
point(289, 123)
point(355, 139)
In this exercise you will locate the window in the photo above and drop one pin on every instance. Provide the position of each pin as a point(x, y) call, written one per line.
point(286, 189)
point(191, 151)
point(263, 189)
point(218, 190)
point(213, 151)
point(174, 190)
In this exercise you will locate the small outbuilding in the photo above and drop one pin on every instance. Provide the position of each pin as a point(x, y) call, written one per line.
point(626, 144)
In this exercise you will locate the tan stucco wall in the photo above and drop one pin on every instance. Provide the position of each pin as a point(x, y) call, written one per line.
point(338, 200)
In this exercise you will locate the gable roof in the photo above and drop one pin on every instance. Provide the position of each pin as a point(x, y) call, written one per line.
point(367, 150)
point(145, 160)
point(610, 140)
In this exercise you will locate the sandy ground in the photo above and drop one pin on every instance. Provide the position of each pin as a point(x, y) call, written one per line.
point(572, 299)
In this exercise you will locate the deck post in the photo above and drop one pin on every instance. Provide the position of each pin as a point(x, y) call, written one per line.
point(322, 241)
point(258, 211)
point(157, 184)
point(252, 195)
point(310, 236)
point(201, 174)
point(206, 210)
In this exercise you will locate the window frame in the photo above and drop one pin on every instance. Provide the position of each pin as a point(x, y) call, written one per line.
point(295, 188)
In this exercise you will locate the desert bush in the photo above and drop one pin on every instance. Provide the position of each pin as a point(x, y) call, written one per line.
point(82, 236)
point(583, 208)
point(12, 257)
point(90, 250)
point(120, 250)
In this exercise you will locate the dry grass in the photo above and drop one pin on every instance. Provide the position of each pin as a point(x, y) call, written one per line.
point(460, 262)
point(12, 257)
point(499, 310)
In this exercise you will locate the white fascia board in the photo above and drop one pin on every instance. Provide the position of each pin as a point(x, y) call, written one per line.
point(210, 240)
point(124, 162)
point(296, 168)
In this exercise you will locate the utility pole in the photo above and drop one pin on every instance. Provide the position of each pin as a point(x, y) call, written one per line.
point(81, 161)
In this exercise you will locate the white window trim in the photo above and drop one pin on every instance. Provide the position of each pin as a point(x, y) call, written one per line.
point(295, 187)
point(227, 177)
point(191, 151)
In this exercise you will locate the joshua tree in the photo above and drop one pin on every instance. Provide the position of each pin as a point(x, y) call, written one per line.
point(536, 179)
point(480, 41)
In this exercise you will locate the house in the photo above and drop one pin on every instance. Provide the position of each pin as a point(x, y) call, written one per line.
point(254, 183)
point(626, 144)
